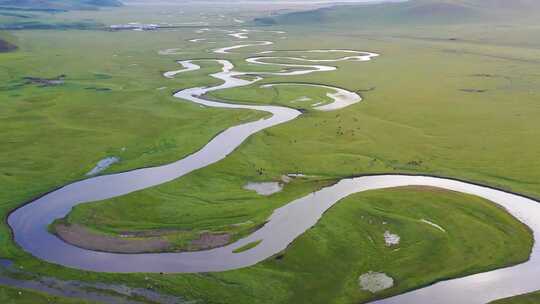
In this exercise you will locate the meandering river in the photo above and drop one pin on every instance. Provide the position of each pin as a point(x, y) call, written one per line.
point(29, 222)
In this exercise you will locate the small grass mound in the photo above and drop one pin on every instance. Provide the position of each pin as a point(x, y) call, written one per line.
point(530, 298)
point(247, 246)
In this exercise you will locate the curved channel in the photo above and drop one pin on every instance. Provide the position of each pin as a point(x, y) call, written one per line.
point(227, 50)
point(341, 97)
point(29, 222)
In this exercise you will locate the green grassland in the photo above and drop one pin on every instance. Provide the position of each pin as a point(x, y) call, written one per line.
point(74, 125)
point(429, 123)
point(348, 242)
point(294, 96)
point(323, 265)
point(423, 112)
point(530, 298)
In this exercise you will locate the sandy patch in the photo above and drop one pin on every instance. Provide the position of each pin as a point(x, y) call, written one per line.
point(375, 281)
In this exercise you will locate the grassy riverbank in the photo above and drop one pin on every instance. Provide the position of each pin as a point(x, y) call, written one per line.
point(404, 124)
point(530, 298)
point(323, 265)
point(56, 133)
point(433, 104)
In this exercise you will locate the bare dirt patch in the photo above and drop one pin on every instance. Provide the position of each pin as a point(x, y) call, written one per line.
point(209, 240)
point(82, 237)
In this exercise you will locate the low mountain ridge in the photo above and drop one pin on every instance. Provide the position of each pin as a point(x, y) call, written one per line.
point(414, 12)
point(60, 4)
point(6, 46)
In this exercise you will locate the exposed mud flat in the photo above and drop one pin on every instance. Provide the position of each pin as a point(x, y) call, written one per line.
point(84, 238)
point(209, 240)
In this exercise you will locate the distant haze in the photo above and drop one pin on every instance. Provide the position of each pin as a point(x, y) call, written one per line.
point(266, 4)
point(256, 1)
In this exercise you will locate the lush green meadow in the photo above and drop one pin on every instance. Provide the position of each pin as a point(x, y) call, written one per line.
point(463, 108)
point(524, 299)
point(324, 264)
point(429, 123)
point(56, 134)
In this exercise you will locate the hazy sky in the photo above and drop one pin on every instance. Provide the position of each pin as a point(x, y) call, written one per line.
point(266, 1)
point(246, 2)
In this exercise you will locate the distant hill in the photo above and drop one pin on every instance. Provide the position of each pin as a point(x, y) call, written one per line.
point(59, 4)
point(6, 46)
point(413, 12)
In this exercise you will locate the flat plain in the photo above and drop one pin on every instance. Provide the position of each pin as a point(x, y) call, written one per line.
point(448, 99)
